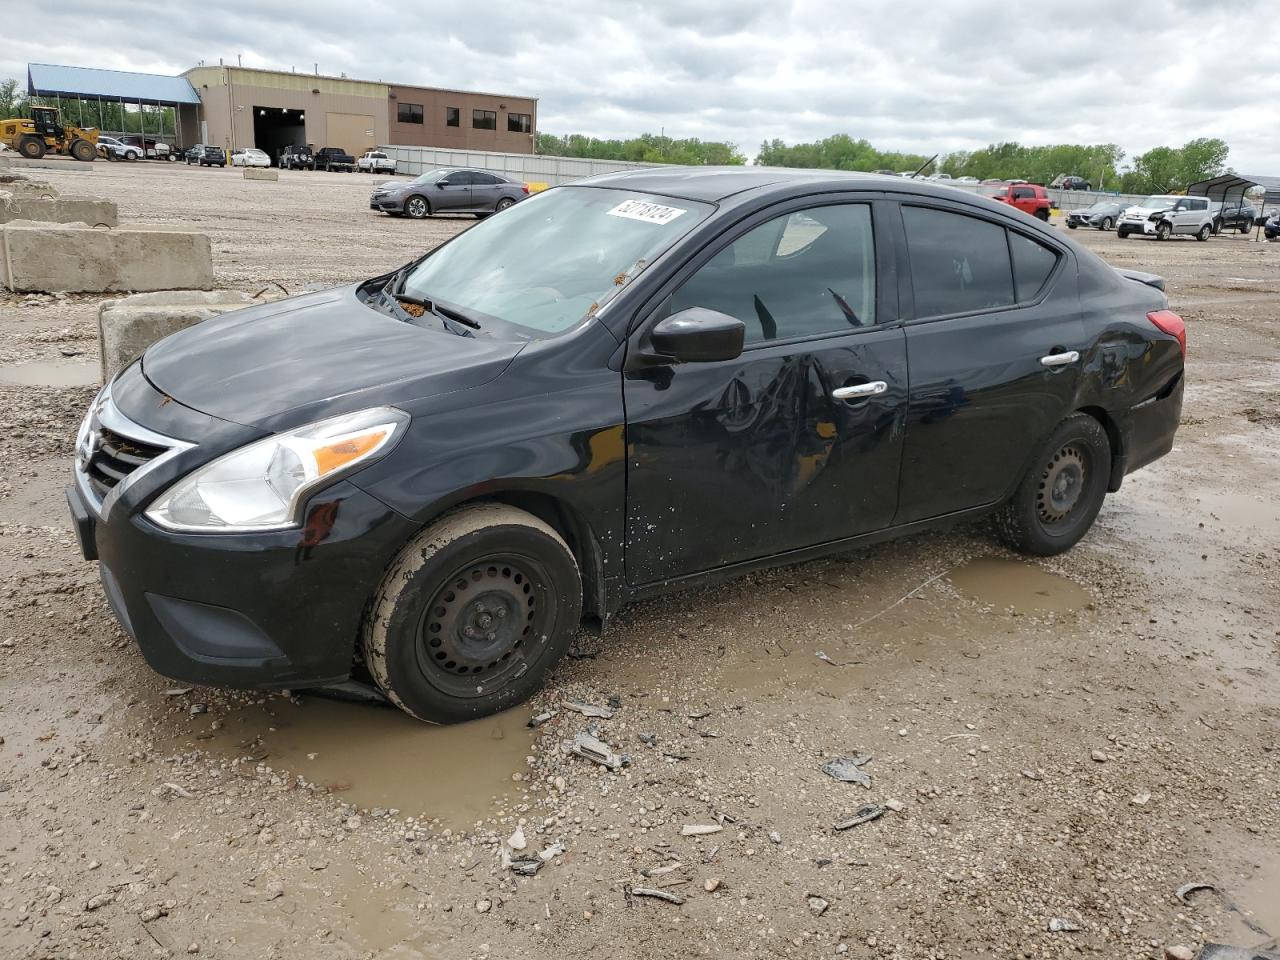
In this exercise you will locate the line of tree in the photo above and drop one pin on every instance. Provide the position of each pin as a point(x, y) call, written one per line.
point(646, 148)
point(1158, 170)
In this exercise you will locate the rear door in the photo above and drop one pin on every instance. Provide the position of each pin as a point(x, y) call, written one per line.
point(452, 192)
point(485, 190)
point(994, 342)
point(796, 442)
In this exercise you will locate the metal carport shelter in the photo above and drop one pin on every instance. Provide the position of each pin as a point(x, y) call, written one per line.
point(1228, 189)
point(1272, 186)
point(48, 81)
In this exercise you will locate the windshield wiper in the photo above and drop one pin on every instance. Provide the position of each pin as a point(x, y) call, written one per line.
point(446, 318)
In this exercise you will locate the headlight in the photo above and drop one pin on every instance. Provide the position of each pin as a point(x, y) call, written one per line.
point(260, 486)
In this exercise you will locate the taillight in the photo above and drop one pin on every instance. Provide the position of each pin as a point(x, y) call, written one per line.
point(524, 188)
point(1169, 322)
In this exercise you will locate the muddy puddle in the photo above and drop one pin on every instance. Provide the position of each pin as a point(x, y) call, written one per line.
point(1012, 584)
point(50, 373)
point(375, 756)
point(1243, 511)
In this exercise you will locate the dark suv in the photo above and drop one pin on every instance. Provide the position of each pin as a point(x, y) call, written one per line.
point(1075, 183)
point(207, 155)
point(1240, 216)
point(297, 157)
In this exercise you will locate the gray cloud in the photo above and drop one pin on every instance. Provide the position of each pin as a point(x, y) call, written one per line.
point(908, 74)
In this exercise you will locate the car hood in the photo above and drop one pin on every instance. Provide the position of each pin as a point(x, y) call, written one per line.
point(254, 365)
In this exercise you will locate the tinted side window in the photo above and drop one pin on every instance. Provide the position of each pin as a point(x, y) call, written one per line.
point(1023, 193)
point(460, 178)
point(958, 263)
point(802, 274)
point(1032, 264)
point(485, 179)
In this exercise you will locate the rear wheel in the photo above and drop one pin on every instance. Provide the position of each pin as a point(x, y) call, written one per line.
point(1058, 499)
point(1204, 232)
point(503, 204)
point(1042, 215)
point(472, 614)
point(1244, 228)
point(31, 147)
point(1122, 234)
point(417, 207)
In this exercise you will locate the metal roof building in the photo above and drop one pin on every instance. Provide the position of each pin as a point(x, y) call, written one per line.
point(85, 83)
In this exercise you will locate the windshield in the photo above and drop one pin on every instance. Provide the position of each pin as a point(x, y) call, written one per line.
point(992, 190)
point(431, 176)
point(1158, 203)
point(551, 261)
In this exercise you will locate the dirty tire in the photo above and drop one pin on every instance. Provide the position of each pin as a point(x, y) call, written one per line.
point(472, 614)
point(83, 151)
point(31, 147)
point(1204, 232)
point(1058, 499)
point(503, 204)
point(1164, 230)
point(417, 207)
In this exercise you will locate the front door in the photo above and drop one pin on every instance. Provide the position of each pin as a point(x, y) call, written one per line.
point(1024, 198)
point(995, 356)
point(452, 192)
point(796, 442)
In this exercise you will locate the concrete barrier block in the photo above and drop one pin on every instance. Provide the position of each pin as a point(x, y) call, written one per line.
point(15, 164)
point(261, 173)
point(126, 327)
point(60, 258)
point(91, 210)
point(22, 188)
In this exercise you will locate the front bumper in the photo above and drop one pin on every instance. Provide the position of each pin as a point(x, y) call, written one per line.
point(1137, 226)
point(387, 204)
point(273, 609)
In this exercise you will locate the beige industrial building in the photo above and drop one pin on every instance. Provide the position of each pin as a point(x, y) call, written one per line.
point(270, 109)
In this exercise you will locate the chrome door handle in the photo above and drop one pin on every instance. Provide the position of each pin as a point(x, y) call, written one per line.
point(860, 390)
point(1060, 359)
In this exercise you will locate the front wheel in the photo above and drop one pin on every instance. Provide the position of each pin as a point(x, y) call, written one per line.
point(472, 614)
point(1060, 495)
point(1107, 223)
point(1164, 230)
point(416, 207)
point(1122, 234)
point(31, 147)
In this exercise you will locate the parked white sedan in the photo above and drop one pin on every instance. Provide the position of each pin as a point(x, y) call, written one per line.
point(375, 161)
point(249, 157)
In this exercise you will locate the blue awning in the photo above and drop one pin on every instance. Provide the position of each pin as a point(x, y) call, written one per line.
point(50, 80)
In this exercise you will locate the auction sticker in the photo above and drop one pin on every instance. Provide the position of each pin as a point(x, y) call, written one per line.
point(648, 212)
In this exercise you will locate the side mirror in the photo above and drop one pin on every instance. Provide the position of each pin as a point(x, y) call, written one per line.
point(441, 184)
point(698, 335)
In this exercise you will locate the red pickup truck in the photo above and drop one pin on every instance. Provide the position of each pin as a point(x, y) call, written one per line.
point(1028, 197)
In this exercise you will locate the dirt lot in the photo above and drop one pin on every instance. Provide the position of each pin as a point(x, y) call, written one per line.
point(1068, 740)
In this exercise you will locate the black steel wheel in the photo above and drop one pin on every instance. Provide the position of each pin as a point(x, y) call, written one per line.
point(1058, 499)
point(472, 614)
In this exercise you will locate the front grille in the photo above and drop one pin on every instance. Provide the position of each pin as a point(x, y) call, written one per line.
point(115, 457)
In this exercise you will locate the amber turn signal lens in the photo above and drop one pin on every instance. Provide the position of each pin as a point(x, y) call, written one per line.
point(335, 455)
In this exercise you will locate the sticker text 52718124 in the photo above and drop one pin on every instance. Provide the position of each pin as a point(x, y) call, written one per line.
point(648, 212)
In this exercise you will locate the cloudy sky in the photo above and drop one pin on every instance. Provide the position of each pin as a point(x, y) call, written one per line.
point(918, 75)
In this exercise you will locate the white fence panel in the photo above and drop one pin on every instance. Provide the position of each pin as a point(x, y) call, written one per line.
point(518, 166)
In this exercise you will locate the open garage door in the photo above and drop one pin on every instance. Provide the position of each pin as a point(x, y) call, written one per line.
point(274, 129)
point(353, 132)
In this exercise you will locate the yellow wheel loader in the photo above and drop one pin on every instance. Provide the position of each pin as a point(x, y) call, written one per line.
point(44, 132)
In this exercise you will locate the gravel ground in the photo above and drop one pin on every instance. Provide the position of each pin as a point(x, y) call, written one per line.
point(1066, 741)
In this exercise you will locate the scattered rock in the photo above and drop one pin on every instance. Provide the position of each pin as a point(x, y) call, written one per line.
point(666, 895)
point(517, 841)
point(711, 885)
point(846, 769)
point(1098, 756)
point(818, 905)
point(699, 829)
point(1179, 952)
point(588, 709)
point(1061, 925)
point(484, 906)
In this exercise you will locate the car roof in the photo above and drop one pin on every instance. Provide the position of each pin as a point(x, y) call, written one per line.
point(712, 184)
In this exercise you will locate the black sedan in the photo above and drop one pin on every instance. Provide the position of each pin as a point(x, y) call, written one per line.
point(627, 386)
point(447, 190)
point(1101, 215)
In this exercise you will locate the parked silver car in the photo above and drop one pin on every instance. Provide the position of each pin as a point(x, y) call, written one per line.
point(447, 190)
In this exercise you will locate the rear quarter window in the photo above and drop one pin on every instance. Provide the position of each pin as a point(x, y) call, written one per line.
point(1033, 262)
